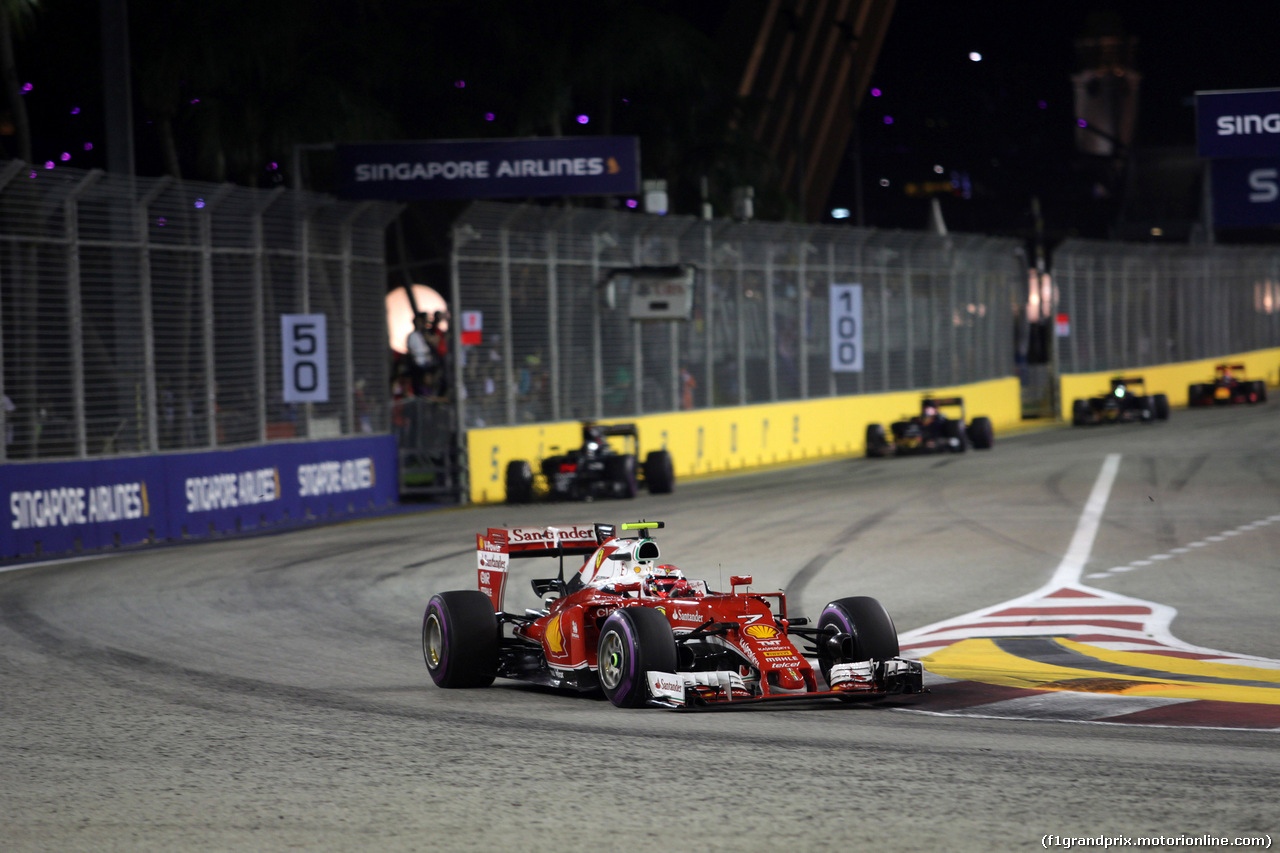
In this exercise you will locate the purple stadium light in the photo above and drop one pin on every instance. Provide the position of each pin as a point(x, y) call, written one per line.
point(488, 116)
point(461, 84)
point(1081, 123)
point(584, 118)
point(48, 164)
point(88, 146)
point(75, 111)
point(888, 119)
point(199, 202)
point(1044, 105)
point(27, 87)
point(875, 93)
point(631, 202)
point(65, 156)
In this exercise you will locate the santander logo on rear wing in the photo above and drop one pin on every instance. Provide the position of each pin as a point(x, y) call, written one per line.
point(496, 547)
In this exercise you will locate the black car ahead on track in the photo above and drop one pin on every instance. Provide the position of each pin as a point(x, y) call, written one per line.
point(1126, 402)
point(931, 431)
point(595, 470)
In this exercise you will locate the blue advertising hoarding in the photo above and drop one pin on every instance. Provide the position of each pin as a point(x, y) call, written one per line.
point(1240, 123)
point(1246, 192)
point(85, 505)
point(490, 168)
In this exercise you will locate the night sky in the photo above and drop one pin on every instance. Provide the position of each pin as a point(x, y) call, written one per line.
point(1005, 126)
point(1008, 122)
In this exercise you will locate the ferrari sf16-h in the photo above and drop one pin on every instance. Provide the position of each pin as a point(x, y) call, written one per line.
point(637, 629)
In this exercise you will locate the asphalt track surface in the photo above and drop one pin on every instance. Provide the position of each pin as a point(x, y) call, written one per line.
point(269, 693)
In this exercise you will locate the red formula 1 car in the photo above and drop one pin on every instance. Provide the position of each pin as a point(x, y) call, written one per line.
point(644, 634)
point(1226, 388)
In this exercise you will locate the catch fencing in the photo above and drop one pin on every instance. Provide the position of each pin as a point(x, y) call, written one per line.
point(936, 311)
point(143, 314)
point(1135, 305)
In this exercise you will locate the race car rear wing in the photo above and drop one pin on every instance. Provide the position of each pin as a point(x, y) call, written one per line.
point(936, 402)
point(499, 545)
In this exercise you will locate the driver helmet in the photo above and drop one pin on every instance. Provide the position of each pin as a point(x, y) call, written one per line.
point(666, 582)
point(593, 438)
point(930, 411)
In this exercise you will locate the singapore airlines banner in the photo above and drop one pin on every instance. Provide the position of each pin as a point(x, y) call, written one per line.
point(490, 168)
point(58, 508)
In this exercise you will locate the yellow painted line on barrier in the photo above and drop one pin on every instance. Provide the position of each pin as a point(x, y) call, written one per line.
point(983, 661)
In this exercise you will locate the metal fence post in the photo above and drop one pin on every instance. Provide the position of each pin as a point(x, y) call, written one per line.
point(802, 314)
point(770, 323)
point(553, 322)
point(884, 323)
point(146, 308)
point(908, 298)
point(709, 316)
point(206, 303)
point(10, 171)
point(348, 347)
point(455, 335)
point(75, 308)
point(740, 302)
point(831, 279)
point(508, 345)
point(260, 315)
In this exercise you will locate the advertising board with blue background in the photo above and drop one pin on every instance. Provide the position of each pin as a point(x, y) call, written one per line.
point(1243, 123)
point(85, 505)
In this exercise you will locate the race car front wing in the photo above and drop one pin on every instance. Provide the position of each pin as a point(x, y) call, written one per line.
point(860, 680)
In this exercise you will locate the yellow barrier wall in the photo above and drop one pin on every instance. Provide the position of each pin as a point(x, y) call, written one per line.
point(708, 441)
point(1170, 379)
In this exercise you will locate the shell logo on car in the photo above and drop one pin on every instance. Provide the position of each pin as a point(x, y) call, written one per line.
point(761, 632)
point(555, 638)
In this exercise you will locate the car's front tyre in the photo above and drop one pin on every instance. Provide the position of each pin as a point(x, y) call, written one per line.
point(633, 641)
point(863, 619)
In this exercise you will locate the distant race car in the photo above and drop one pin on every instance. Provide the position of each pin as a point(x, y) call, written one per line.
point(931, 431)
point(644, 634)
point(1226, 388)
point(1126, 402)
point(595, 470)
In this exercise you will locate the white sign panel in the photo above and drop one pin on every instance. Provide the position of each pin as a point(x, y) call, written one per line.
point(846, 328)
point(304, 358)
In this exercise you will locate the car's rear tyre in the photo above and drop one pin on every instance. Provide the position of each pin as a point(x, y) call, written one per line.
point(460, 639)
point(519, 482)
point(633, 641)
point(659, 472)
point(1079, 413)
point(981, 433)
point(956, 436)
point(1161, 407)
point(876, 443)
point(865, 620)
point(621, 472)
